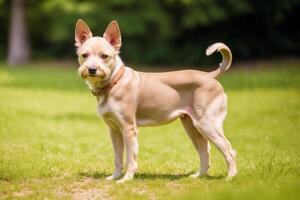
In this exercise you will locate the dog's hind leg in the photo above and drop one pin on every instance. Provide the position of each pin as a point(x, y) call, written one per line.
point(215, 135)
point(211, 126)
point(200, 143)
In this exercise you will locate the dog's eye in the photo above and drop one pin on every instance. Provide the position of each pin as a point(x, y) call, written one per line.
point(85, 55)
point(104, 56)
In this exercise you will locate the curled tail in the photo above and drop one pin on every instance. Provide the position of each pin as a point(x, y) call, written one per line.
point(226, 58)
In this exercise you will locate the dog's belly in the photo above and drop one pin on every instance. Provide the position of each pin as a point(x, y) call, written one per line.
point(158, 117)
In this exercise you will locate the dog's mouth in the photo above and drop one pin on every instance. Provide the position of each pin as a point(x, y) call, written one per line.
point(97, 75)
point(100, 76)
point(92, 75)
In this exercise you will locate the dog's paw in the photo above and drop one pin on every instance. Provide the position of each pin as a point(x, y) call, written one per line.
point(196, 175)
point(125, 179)
point(113, 177)
point(229, 178)
point(231, 174)
point(110, 178)
point(121, 181)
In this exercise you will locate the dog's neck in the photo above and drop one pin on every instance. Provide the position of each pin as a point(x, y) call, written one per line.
point(101, 84)
point(119, 64)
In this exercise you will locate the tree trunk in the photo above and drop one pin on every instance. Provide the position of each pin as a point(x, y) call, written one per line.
point(18, 46)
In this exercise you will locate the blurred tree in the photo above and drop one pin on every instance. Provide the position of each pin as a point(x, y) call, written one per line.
point(18, 50)
point(167, 31)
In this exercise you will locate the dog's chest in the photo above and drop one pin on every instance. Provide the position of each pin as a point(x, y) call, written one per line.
point(110, 106)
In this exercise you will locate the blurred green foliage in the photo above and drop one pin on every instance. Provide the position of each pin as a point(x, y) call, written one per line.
point(165, 31)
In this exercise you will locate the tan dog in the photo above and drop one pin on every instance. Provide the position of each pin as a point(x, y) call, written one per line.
point(127, 99)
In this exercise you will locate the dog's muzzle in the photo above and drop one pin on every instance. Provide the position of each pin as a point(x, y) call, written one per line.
point(92, 70)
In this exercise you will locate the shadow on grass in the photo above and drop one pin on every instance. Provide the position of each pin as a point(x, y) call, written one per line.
point(150, 176)
point(171, 177)
point(96, 175)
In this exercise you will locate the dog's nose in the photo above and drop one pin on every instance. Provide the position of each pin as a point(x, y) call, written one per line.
point(92, 70)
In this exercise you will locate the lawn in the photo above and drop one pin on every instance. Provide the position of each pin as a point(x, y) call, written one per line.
point(53, 145)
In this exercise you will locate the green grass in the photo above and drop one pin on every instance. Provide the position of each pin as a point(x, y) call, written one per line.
point(53, 145)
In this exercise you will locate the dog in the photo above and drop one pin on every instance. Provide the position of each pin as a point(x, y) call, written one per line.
point(127, 99)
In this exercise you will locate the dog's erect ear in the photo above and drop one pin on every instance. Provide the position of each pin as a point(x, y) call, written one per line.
point(82, 32)
point(113, 36)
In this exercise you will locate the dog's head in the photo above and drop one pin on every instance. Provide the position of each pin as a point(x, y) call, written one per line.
point(97, 56)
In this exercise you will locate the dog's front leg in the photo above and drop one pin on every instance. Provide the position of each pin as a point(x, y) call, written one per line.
point(131, 144)
point(118, 145)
